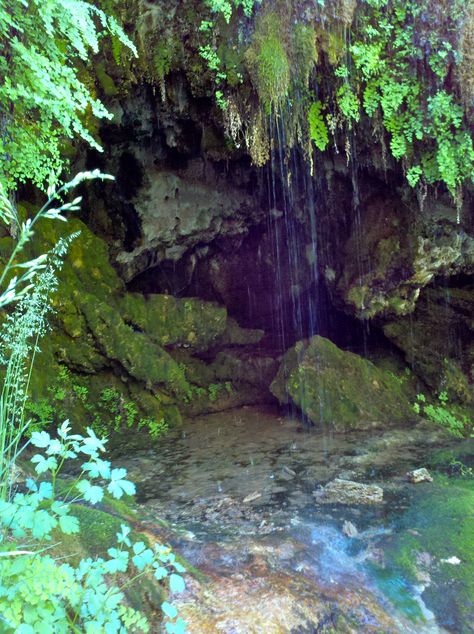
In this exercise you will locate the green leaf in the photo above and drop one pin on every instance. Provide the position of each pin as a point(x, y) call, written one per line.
point(169, 609)
point(91, 493)
point(177, 583)
point(317, 128)
point(44, 464)
point(118, 561)
point(118, 486)
point(122, 537)
point(143, 559)
point(160, 572)
point(40, 439)
point(69, 524)
point(178, 627)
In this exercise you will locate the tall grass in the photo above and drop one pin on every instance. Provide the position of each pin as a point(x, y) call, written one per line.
point(26, 286)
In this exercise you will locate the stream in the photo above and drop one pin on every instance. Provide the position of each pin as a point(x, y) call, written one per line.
point(241, 489)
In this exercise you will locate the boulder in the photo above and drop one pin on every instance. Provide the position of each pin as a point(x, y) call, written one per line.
point(330, 385)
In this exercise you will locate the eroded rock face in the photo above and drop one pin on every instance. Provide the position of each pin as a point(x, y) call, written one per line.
point(177, 213)
point(172, 194)
point(437, 340)
point(121, 360)
point(332, 386)
point(393, 251)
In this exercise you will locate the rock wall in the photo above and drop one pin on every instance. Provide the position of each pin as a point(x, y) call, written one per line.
point(120, 360)
point(230, 205)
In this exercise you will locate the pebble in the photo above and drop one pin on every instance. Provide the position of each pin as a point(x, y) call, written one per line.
point(349, 529)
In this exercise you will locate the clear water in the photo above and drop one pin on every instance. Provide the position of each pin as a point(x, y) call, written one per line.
point(244, 479)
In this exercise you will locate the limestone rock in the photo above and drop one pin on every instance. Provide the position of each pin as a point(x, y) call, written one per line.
point(390, 255)
point(278, 603)
point(332, 386)
point(109, 358)
point(350, 529)
point(348, 492)
point(419, 475)
point(444, 361)
point(177, 213)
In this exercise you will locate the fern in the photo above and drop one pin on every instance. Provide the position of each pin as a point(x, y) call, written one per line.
point(317, 128)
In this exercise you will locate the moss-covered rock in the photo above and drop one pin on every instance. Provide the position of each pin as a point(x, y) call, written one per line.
point(333, 386)
point(175, 322)
point(104, 362)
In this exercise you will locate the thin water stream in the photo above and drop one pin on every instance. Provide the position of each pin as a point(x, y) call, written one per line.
point(241, 485)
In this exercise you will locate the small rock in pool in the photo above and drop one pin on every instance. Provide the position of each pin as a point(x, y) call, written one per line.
point(253, 496)
point(348, 492)
point(419, 475)
point(454, 561)
point(349, 529)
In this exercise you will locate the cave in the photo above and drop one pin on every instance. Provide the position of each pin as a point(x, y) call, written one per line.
point(251, 288)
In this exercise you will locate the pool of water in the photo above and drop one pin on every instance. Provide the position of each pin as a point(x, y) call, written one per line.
point(245, 480)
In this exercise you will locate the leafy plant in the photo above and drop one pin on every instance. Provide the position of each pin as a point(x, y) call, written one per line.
point(208, 50)
point(37, 592)
point(425, 123)
point(41, 594)
point(318, 130)
point(22, 330)
point(44, 98)
point(441, 414)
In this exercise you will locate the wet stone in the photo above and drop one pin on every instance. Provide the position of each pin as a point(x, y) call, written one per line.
point(348, 492)
point(419, 475)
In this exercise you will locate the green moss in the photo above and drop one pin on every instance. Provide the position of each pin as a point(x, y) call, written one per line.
point(440, 522)
point(268, 61)
point(106, 82)
point(334, 386)
point(170, 321)
point(232, 62)
point(304, 53)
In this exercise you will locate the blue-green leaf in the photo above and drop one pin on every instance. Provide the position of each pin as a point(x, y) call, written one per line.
point(92, 493)
point(69, 524)
point(169, 609)
point(40, 439)
point(177, 583)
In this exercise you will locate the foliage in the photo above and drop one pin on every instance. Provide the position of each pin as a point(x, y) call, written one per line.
point(318, 131)
point(208, 50)
point(304, 54)
point(225, 7)
point(43, 97)
point(405, 82)
point(396, 71)
point(268, 61)
point(39, 594)
point(22, 329)
point(109, 410)
point(441, 414)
